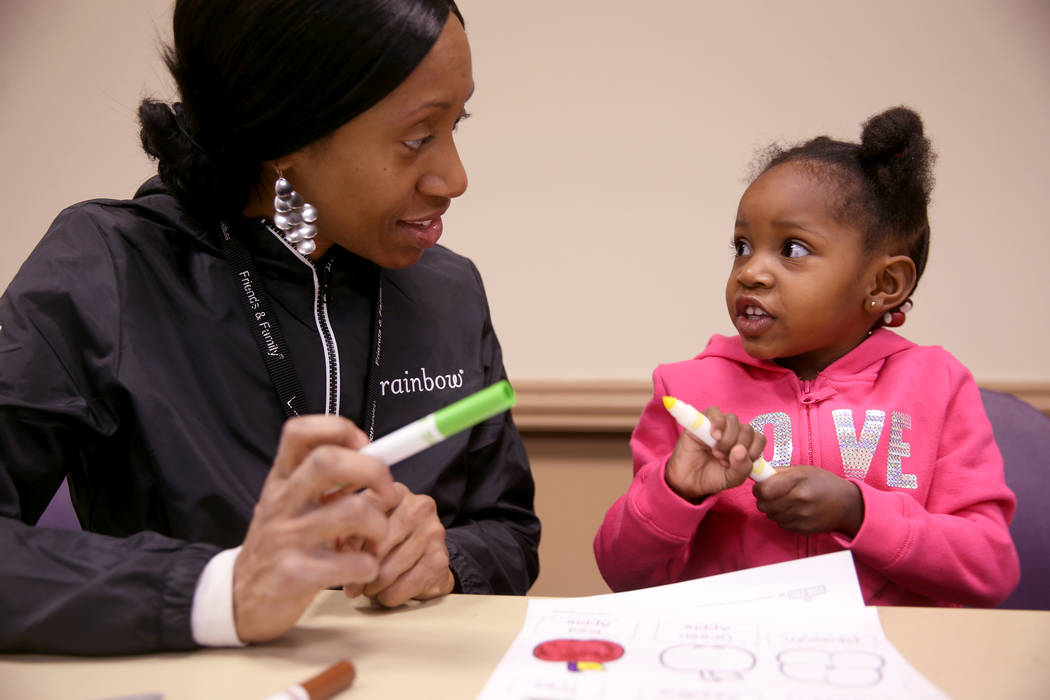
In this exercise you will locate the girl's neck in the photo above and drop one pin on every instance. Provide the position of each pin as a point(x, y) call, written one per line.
point(806, 367)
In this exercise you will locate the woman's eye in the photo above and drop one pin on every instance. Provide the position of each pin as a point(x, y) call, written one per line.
point(794, 249)
point(416, 144)
point(462, 117)
point(741, 248)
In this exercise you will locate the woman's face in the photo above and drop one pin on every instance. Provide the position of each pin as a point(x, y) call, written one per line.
point(382, 181)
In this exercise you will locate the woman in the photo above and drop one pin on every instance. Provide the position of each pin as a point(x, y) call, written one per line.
point(284, 263)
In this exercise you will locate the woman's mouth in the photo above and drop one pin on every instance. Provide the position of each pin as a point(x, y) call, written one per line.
point(426, 232)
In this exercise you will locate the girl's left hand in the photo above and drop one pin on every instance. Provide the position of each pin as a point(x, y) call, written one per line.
point(809, 500)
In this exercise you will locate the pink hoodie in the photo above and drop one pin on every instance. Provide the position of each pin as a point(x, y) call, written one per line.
point(903, 422)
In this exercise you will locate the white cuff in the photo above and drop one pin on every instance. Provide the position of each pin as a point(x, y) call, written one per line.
point(211, 619)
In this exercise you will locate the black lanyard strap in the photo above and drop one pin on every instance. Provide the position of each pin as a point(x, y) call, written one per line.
point(264, 326)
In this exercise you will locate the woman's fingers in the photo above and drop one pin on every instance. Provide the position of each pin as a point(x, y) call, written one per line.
point(328, 469)
point(301, 434)
point(352, 515)
point(320, 493)
point(414, 558)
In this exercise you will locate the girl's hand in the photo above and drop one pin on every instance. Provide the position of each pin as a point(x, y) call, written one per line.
point(809, 500)
point(696, 470)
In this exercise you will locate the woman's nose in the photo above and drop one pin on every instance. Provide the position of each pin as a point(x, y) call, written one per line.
point(447, 177)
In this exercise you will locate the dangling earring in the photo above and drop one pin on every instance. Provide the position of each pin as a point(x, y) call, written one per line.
point(893, 319)
point(294, 216)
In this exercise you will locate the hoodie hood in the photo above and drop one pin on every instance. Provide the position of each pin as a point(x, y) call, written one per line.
point(863, 361)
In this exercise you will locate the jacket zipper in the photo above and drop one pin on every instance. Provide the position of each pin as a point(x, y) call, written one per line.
point(324, 327)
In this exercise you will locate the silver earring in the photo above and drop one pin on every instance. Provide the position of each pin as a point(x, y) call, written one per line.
point(294, 216)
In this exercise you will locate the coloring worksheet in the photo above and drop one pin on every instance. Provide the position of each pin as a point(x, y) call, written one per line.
point(800, 634)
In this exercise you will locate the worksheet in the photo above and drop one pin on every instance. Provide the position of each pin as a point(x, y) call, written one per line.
point(827, 580)
point(801, 632)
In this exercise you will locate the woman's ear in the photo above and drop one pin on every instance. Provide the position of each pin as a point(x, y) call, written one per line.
point(894, 282)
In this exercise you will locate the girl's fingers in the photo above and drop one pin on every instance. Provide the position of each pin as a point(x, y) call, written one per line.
point(729, 434)
point(718, 421)
point(758, 446)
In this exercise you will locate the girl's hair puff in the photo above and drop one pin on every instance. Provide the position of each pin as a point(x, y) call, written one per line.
point(881, 185)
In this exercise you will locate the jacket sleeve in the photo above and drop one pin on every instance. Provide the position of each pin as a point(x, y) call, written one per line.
point(958, 548)
point(493, 543)
point(67, 591)
point(647, 534)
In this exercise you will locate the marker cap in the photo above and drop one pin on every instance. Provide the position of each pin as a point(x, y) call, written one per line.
point(330, 681)
point(475, 408)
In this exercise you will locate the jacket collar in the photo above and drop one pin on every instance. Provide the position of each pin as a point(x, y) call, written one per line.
point(271, 255)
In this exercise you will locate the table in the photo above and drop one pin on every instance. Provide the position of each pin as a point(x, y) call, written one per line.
point(448, 647)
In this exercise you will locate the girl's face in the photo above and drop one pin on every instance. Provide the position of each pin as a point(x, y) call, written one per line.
point(382, 181)
point(801, 279)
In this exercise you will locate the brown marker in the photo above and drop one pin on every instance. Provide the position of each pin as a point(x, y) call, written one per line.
point(322, 686)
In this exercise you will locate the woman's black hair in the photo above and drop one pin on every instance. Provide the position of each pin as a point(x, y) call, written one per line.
point(881, 185)
point(259, 79)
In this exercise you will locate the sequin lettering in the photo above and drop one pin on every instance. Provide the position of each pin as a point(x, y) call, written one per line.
point(857, 453)
point(781, 423)
point(899, 449)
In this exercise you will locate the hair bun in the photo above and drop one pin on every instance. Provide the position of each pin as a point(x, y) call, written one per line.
point(889, 134)
point(192, 175)
point(896, 153)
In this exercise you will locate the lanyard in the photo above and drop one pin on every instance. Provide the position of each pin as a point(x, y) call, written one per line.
point(270, 340)
point(264, 326)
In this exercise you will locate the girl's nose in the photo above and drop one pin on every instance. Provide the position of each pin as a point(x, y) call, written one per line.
point(754, 272)
point(447, 177)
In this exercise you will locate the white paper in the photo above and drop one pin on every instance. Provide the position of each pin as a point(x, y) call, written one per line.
point(827, 580)
point(744, 635)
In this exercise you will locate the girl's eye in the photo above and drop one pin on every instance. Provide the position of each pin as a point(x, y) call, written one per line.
point(794, 249)
point(741, 247)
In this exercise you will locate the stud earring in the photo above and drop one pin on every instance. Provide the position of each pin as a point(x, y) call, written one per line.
point(294, 216)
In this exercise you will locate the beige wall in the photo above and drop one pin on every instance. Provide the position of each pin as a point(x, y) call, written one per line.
point(607, 152)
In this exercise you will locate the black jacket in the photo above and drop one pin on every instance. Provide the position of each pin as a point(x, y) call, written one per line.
point(128, 365)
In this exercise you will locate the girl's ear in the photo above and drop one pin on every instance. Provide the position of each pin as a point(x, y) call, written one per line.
point(894, 281)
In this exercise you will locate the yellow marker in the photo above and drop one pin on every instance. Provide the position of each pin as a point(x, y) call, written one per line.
point(699, 425)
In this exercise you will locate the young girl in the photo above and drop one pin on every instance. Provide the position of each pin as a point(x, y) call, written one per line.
point(882, 446)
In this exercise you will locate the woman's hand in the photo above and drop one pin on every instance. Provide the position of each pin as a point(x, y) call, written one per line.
point(413, 557)
point(809, 500)
point(288, 553)
point(696, 470)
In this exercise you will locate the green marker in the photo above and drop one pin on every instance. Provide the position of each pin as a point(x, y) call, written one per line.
point(443, 423)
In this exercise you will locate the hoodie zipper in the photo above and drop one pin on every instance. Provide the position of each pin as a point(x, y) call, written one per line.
point(324, 327)
point(807, 402)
